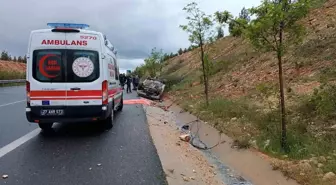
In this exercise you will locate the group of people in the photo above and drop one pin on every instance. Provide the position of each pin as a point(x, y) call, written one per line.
point(128, 80)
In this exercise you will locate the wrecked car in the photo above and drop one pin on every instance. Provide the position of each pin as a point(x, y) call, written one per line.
point(151, 89)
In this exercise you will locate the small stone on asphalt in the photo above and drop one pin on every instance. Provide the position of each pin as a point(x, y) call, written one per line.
point(4, 176)
point(98, 164)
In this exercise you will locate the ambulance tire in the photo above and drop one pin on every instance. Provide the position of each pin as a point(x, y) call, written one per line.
point(120, 107)
point(46, 126)
point(108, 122)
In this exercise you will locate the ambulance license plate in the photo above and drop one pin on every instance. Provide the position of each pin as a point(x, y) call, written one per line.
point(52, 112)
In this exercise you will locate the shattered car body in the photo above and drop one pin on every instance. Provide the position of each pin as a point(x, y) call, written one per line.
point(151, 89)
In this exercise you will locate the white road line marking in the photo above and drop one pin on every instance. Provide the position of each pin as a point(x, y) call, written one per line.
point(12, 103)
point(11, 146)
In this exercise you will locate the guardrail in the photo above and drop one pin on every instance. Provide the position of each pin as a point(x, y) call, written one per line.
point(3, 82)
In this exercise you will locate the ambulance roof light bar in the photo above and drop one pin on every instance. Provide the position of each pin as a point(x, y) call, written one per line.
point(68, 25)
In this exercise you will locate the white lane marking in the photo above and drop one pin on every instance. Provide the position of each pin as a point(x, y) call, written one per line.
point(12, 103)
point(11, 146)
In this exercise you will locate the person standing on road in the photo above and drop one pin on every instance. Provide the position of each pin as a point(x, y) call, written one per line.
point(123, 81)
point(128, 83)
point(133, 81)
point(136, 82)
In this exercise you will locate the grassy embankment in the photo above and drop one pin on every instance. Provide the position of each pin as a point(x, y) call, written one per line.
point(244, 96)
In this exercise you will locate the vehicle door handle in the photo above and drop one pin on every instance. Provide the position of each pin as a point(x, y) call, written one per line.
point(75, 88)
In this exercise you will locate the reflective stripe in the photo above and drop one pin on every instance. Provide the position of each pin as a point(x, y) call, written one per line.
point(66, 98)
point(67, 93)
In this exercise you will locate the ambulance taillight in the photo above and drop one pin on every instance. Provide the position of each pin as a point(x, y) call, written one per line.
point(105, 92)
point(28, 92)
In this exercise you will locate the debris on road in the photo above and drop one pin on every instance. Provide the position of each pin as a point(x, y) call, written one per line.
point(151, 88)
point(99, 164)
point(185, 178)
point(185, 127)
point(185, 137)
point(4, 176)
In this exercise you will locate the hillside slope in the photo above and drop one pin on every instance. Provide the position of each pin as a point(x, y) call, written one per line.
point(12, 70)
point(244, 94)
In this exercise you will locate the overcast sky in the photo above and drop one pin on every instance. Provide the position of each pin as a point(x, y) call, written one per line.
point(133, 26)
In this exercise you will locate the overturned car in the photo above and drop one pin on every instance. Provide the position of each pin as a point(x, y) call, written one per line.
point(151, 88)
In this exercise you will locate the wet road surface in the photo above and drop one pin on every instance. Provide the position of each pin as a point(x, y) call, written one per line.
point(13, 123)
point(79, 153)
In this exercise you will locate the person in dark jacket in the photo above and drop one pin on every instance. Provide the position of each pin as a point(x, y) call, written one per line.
point(136, 82)
point(133, 81)
point(128, 83)
point(122, 80)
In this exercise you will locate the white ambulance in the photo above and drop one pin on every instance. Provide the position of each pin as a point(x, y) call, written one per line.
point(72, 76)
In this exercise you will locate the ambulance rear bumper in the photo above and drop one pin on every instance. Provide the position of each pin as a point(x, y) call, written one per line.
point(69, 113)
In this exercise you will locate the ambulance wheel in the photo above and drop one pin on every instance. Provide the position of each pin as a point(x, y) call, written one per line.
point(108, 122)
point(120, 107)
point(46, 126)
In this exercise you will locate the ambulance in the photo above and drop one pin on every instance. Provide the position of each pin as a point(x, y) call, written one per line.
point(72, 76)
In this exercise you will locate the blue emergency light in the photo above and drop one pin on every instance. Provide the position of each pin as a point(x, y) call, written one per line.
point(68, 25)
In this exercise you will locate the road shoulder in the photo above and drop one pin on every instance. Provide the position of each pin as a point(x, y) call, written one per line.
point(182, 163)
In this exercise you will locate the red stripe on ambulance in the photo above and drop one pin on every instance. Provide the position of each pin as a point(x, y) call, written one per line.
point(73, 93)
point(67, 93)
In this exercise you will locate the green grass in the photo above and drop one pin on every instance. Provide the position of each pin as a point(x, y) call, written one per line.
point(6, 75)
point(302, 142)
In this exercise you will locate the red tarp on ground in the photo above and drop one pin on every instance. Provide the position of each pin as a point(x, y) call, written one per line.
point(138, 101)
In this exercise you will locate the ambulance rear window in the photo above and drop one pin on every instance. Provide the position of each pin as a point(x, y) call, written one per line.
point(48, 66)
point(60, 65)
point(82, 66)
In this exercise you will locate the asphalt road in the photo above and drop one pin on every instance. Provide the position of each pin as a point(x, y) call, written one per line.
point(79, 153)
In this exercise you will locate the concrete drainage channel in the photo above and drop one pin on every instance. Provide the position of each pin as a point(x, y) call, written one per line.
point(227, 175)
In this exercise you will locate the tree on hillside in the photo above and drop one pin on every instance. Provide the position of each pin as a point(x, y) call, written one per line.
point(19, 59)
point(5, 56)
point(140, 70)
point(180, 51)
point(274, 29)
point(199, 29)
point(157, 56)
point(165, 57)
point(237, 25)
point(153, 63)
point(222, 18)
point(24, 60)
point(171, 55)
point(14, 58)
point(185, 50)
point(244, 14)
